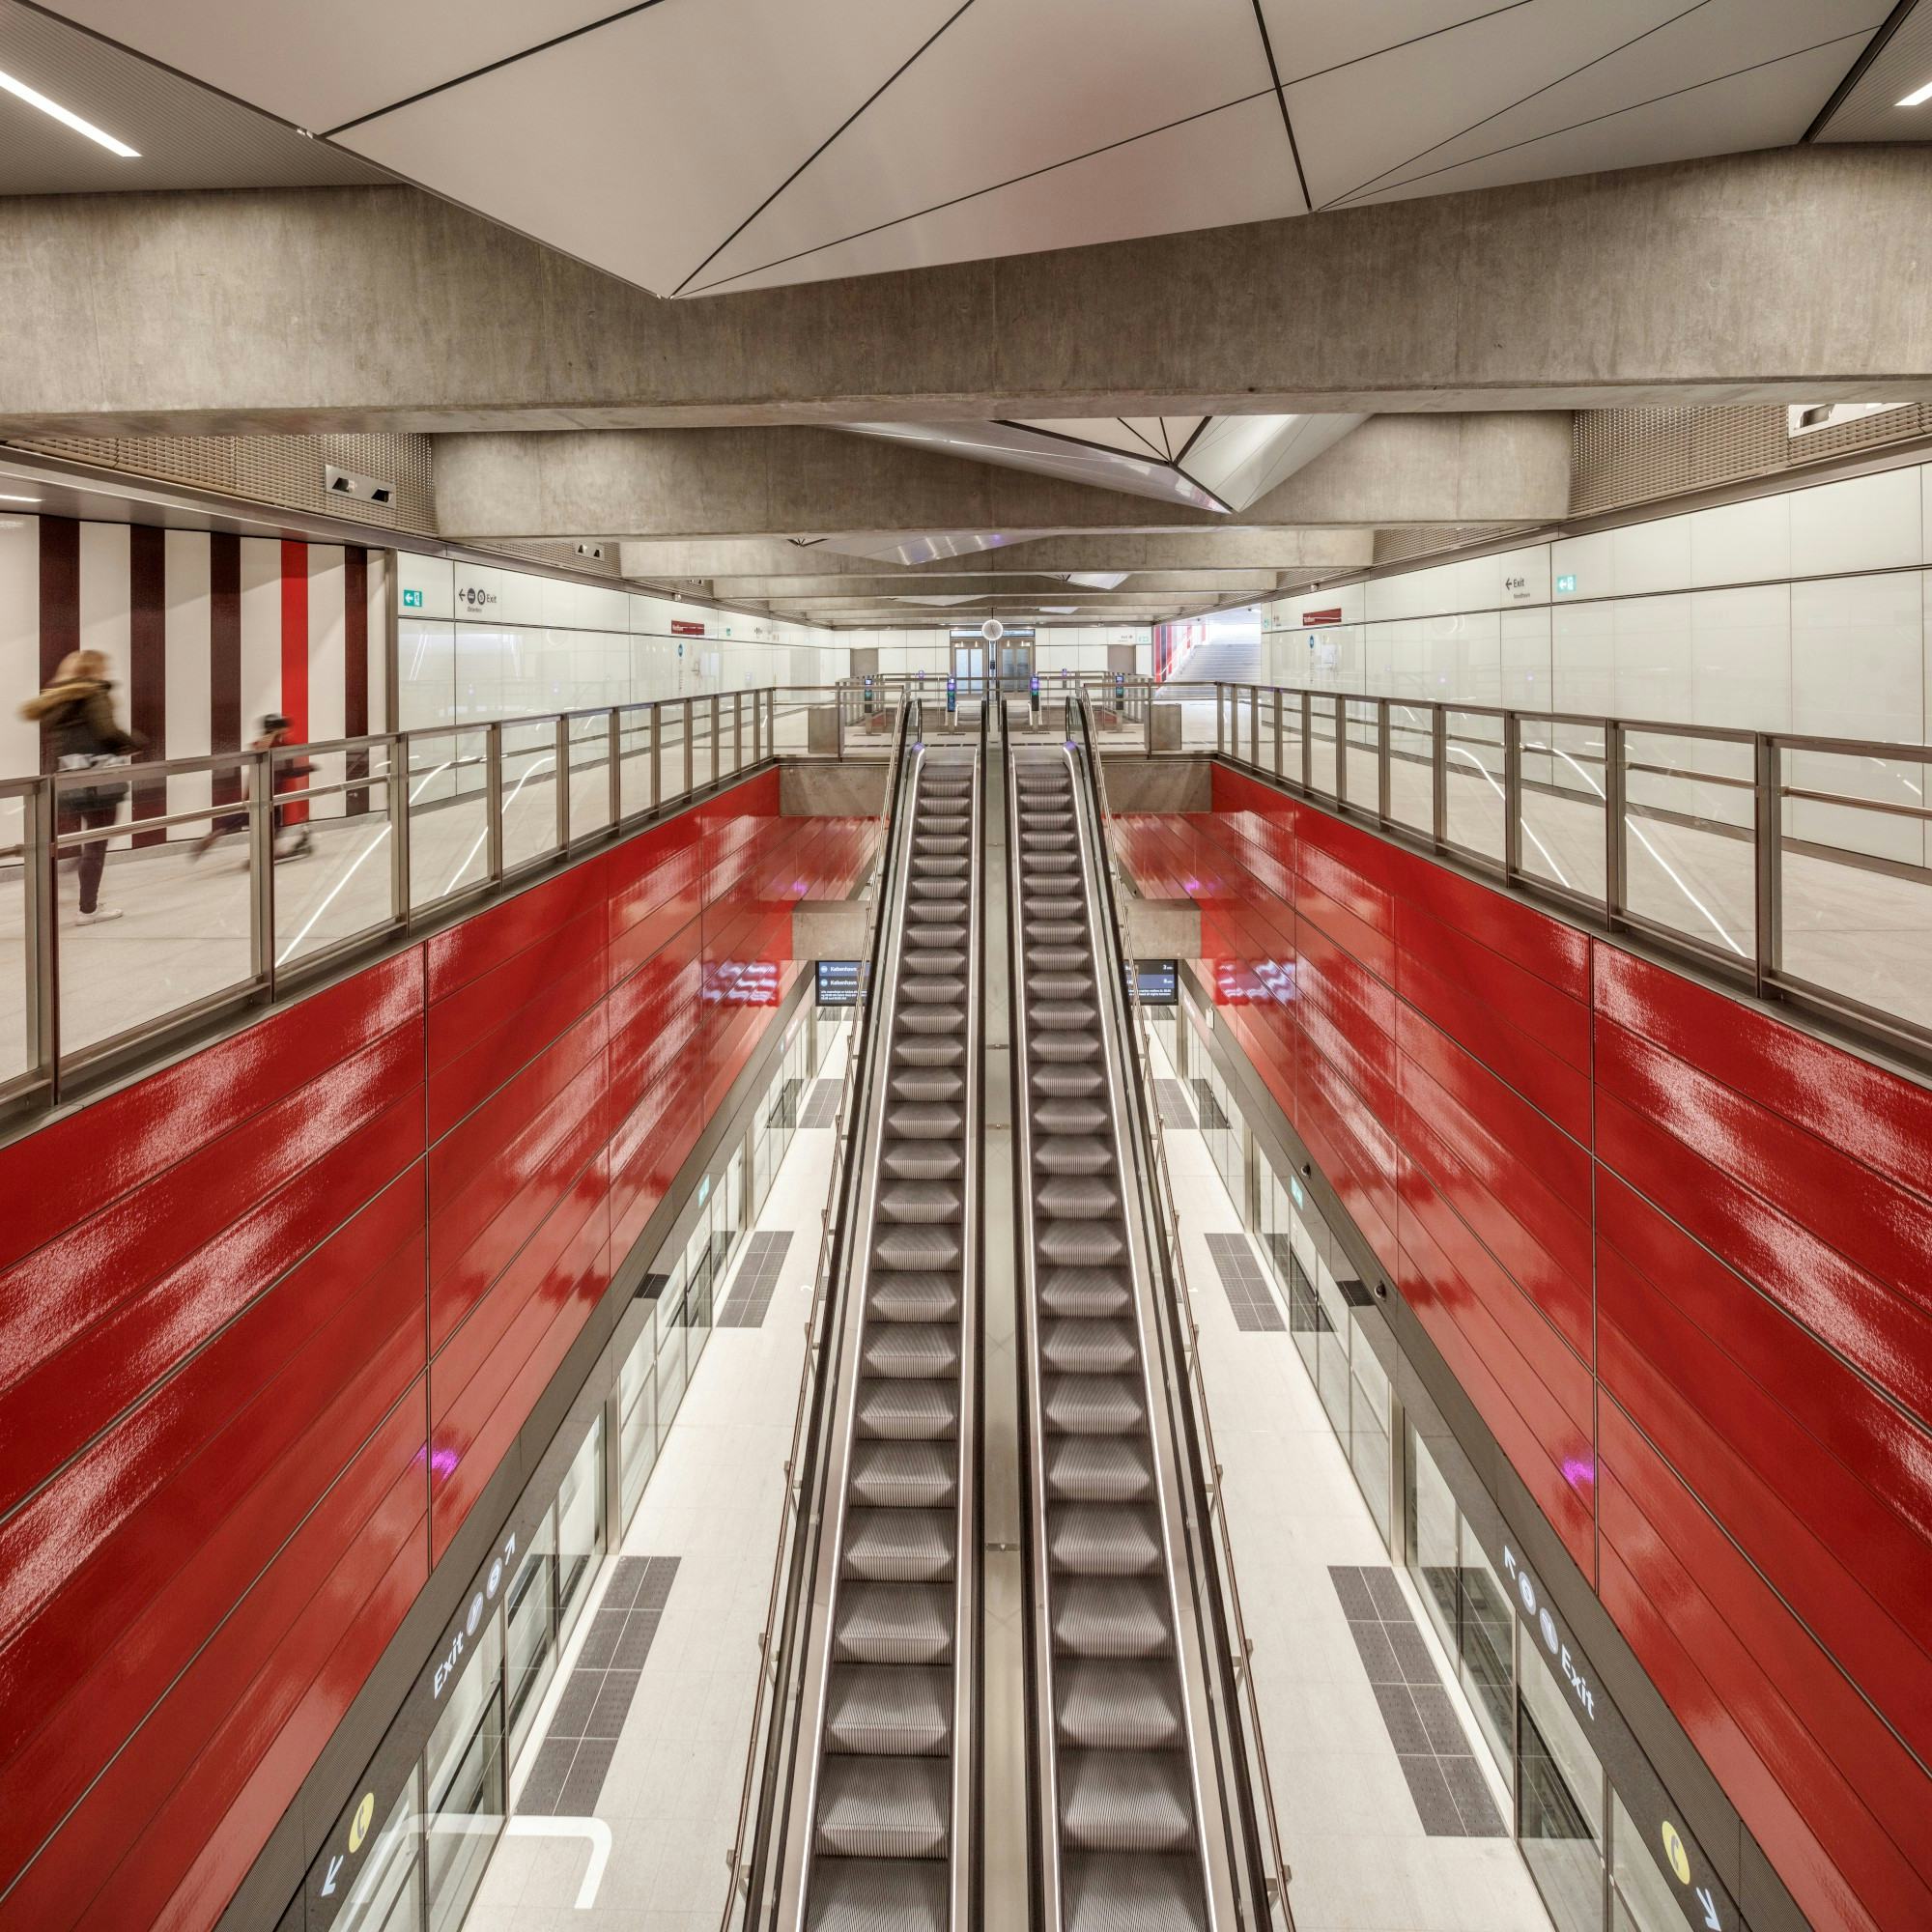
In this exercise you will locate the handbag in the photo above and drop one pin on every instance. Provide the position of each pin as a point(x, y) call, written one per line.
point(95, 797)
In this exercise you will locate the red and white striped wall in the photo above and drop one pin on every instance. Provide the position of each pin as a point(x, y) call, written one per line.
point(206, 631)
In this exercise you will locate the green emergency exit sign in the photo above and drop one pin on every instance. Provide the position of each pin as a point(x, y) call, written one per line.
point(412, 600)
point(1566, 587)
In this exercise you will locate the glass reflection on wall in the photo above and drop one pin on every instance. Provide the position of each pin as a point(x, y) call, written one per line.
point(465, 1781)
point(1641, 1898)
point(530, 1651)
point(388, 1895)
point(580, 1529)
point(1559, 1802)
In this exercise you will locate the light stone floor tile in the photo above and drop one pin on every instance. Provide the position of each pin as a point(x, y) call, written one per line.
point(672, 1793)
point(1361, 1859)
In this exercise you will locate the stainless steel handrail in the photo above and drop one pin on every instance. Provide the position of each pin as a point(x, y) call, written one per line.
point(388, 782)
point(1167, 1226)
point(1617, 769)
point(781, 1608)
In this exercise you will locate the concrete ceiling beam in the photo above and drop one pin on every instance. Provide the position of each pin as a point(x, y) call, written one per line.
point(378, 308)
point(665, 560)
point(1502, 467)
point(1149, 583)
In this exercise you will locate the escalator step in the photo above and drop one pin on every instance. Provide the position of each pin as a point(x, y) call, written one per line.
point(880, 1895)
point(1077, 1197)
point(1074, 1154)
point(905, 1476)
point(1074, 1347)
point(898, 1546)
point(891, 1807)
point(910, 1350)
point(923, 1160)
point(1093, 1405)
point(912, 1202)
point(921, 1246)
point(898, 1295)
point(1133, 1894)
point(1096, 1295)
point(1098, 1470)
point(1126, 1801)
point(1118, 1616)
point(907, 1411)
point(894, 1623)
point(1080, 1243)
point(1122, 1705)
point(1101, 1540)
point(875, 1710)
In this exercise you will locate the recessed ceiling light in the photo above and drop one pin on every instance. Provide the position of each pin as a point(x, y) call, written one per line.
point(19, 499)
point(67, 117)
point(1919, 99)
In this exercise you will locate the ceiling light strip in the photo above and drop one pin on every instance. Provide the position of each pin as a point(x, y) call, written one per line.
point(67, 116)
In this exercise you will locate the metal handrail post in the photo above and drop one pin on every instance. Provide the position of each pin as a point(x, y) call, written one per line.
point(262, 872)
point(1340, 704)
point(737, 730)
point(1146, 724)
point(1308, 741)
point(1220, 736)
point(1616, 824)
point(690, 730)
point(1438, 775)
point(561, 755)
point(398, 803)
point(39, 819)
point(1277, 731)
point(614, 740)
point(1769, 951)
point(1512, 796)
point(493, 797)
point(715, 760)
point(657, 752)
point(757, 725)
point(1384, 781)
point(1254, 724)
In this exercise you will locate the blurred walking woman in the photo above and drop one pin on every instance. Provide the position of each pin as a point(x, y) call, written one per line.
point(76, 710)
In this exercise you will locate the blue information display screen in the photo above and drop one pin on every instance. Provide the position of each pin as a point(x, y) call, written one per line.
point(838, 981)
point(1158, 981)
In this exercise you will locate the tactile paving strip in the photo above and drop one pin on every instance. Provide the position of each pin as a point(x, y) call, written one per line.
point(751, 1299)
point(568, 1775)
point(1256, 1310)
point(1452, 1796)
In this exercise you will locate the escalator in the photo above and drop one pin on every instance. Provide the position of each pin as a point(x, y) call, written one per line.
point(1119, 1713)
point(890, 1763)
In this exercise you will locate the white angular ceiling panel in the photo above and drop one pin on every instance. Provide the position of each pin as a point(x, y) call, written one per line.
point(1699, 46)
point(1132, 436)
point(1011, 87)
point(319, 66)
point(1311, 35)
point(1016, 446)
point(1242, 458)
point(1357, 123)
point(1214, 171)
point(1767, 107)
point(638, 147)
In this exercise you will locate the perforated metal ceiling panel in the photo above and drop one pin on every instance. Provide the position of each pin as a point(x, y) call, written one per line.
point(185, 137)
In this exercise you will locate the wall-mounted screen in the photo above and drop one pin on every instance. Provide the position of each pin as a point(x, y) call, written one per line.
point(838, 981)
point(1158, 981)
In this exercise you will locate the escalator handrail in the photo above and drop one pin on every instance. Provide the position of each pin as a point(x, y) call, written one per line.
point(799, 1508)
point(1268, 1874)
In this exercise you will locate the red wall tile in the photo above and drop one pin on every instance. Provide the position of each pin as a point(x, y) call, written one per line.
point(1557, 1149)
point(271, 1318)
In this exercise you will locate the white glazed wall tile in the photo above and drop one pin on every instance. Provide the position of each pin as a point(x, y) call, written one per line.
point(1588, 560)
point(1741, 657)
point(1741, 543)
point(1865, 523)
point(1652, 658)
point(1524, 658)
point(1652, 556)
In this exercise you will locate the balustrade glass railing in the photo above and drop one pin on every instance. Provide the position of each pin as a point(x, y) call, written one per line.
point(1798, 867)
point(231, 878)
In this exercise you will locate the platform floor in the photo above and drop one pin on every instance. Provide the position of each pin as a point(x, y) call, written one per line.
point(671, 1796)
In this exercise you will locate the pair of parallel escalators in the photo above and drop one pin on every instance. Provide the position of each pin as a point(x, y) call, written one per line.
point(887, 1768)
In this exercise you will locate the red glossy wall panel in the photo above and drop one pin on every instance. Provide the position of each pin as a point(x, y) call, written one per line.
point(1678, 1253)
point(271, 1319)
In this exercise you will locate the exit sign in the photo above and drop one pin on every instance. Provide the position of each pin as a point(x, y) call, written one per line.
point(412, 600)
point(1566, 587)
